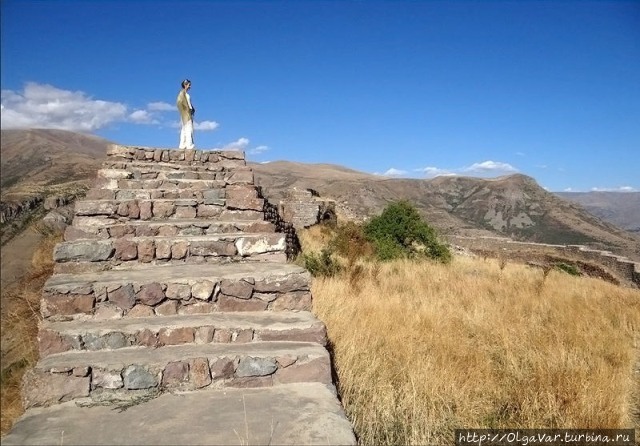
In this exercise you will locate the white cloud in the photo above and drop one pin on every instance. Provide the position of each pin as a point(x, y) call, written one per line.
point(45, 106)
point(161, 106)
point(142, 117)
point(431, 172)
point(258, 150)
point(205, 125)
point(490, 167)
point(393, 172)
point(240, 144)
point(615, 189)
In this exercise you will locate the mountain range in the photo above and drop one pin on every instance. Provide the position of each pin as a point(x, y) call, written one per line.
point(41, 162)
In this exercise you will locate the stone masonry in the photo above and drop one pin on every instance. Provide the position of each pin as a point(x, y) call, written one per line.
point(171, 279)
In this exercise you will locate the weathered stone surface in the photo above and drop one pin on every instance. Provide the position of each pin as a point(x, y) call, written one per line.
point(163, 209)
point(316, 370)
point(175, 374)
point(167, 231)
point(42, 389)
point(238, 176)
point(108, 310)
point(236, 288)
point(292, 282)
point(178, 291)
point(212, 248)
point(204, 335)
point(167, 308)
point(272, 242)
point(202, 290)
point(140, 310)
point(185, 212)
point(115, 340)
point(107, 379)
point(199, 373)
point(250, 382)
point(72, 233)
point(243, 336)
point(151, 294)
point(317, 333)
point(90, 251)
point(92, 341)
point(66, 304)
point(222, 368)
point(146, 250)
point(123, 296)
point(228, 303)
point(209, 210)
point(147, 338)
point(121, 231)
point(222, 335)
point(163, 249)
point(250, 366)
point(179, 249)
point(50, 342)
point(176, 336)
point(137, 377)
point(197, 308)
point(125, 249)
point(295, 300)
point(146, 210)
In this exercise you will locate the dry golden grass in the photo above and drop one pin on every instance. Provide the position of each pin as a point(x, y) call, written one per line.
point(20, 316)
point(423, 348)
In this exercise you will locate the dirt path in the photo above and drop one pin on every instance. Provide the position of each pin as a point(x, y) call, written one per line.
point(16, 256)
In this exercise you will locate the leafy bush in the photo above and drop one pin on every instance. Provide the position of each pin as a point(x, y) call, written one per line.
point(567, 268)
point(351, 242)
point(321, 265)
point(400, 232)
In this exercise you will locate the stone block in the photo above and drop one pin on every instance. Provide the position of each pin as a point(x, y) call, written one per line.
point(197, 308)
point(95, 208)
point(54, 304)
point(106, 379)
point(202, 290)
point(137, 377)
point(163, 209)
point(90, 251)
point(147, 338)
point(50, 342)
point(167, 231)
point(178, 291)
point(185, 212)
point(212, 248)
point(125, 249)
point(175, 374)
point(146, 250)
point(315, 370)
point(247, 246)
point(146, 210)
point(208, 210)
point(295, 300)
point(167, 308)
point(283, 284)
point(140, 310)
point(151, 294)
point(179, 249)
point(42, 389)
point(236, 288)
point(243, 336)
point(199, 373)
point(228, 303)
point(317, 333)
point(204, 335)
point(176, 336)
point(251, 366)
point(121, 231)
point(163, 249)
point(222, 368)
point(123, 296)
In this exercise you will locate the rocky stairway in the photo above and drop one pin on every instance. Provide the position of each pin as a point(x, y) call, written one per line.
point(172, 286)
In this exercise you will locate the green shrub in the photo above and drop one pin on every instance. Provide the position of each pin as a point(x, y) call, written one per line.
point(567, 268)
point(400, 232)
point(321, 265)
point(351, 242)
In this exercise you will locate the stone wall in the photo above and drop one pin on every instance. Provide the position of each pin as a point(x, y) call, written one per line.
point(626, 270)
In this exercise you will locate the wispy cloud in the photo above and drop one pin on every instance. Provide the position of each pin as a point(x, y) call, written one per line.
point(258, 150)
point(431, 172)
point(240, 144)
point(615, 189)
point(205, 126)
point(45, 106)
point(490, 167)
point(393, 172)
point(160, 106)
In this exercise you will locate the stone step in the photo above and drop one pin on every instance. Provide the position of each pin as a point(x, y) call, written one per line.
point(177, 183)
point(291, 414)
point(111, 375)
point(102, 227)
point(108, 178)
point(163, 208)
point(167, 290)
point(122, 153)
point(186, 248)
point(58, 337)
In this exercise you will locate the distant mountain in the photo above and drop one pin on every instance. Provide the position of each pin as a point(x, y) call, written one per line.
point(41, 162)
point(514, 206)
point(619, 208)
point(36, 159)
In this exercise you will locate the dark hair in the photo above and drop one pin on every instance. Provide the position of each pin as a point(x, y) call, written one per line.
point(185, 82)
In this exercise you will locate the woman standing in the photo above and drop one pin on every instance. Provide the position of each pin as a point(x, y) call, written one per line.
point(186, 116)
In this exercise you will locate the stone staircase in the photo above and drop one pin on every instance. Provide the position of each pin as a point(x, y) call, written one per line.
point(171, 287)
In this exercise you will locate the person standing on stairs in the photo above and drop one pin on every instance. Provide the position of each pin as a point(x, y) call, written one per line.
point(186, 116)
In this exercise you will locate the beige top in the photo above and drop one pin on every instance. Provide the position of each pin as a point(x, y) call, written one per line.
point(184, 106)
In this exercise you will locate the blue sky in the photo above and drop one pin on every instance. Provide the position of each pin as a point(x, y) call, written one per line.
point(550, 89)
